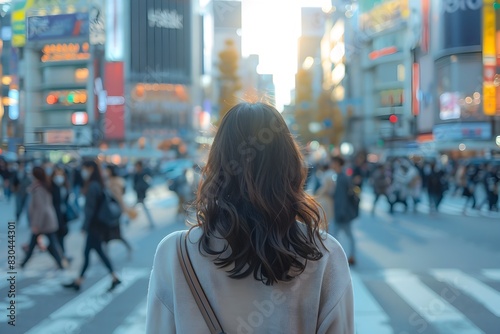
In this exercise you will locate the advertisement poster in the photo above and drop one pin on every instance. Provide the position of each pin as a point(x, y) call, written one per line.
point(57, 26)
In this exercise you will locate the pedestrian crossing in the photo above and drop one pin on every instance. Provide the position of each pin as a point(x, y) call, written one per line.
point(450, 205)
point(441, 300)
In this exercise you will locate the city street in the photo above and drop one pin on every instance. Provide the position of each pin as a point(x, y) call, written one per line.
point(416, 273)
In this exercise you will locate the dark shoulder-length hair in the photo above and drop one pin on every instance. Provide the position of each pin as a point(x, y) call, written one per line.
point(95, 176)
point(41, 177)
point(252, 195)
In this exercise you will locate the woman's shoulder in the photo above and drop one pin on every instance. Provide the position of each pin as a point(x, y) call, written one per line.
point(168, 245)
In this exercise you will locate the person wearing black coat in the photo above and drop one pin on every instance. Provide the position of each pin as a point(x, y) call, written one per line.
point(95, 230)
point(435, 187)
point(60, 197)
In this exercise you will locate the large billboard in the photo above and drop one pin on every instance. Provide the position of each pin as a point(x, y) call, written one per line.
point(461, 23)
point(378, 15)
point(57, 26)
point(160, 41)
point(114, 122)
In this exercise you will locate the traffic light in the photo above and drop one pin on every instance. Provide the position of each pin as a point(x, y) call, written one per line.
point(393, 119)
point(52, 99)
point(66, 98)
point(496, 5)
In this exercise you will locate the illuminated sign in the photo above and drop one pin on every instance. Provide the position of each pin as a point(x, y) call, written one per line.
point(19, 21)
point(165, 19)
point(66, 98)
point(489, 58)
point(65, 52)
point(49, 27)
point(58, 136)
point(382, 52)
point(79, 118)
point(380, 15)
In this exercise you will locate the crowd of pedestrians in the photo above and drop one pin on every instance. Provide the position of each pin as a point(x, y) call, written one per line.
point(403, 184)
point(51, 196)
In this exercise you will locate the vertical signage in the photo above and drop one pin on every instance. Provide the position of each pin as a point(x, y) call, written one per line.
point(425, 38)
point(114, 30)
point(19, 21)
point(114, 125)
point(489, 58)
point(97, 24)
point(160, 33)
point(415, 88)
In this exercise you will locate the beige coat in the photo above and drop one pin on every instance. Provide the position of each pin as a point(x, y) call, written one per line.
point(324, 196)
point(43, 218)
point(116, 185)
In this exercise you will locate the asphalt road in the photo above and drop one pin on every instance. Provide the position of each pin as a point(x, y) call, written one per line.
point(415, 273)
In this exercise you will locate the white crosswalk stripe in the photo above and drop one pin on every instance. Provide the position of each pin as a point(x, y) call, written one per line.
point(432, 307)
point(73, 315)
point(444, 310)
point(370, 317)
point(135, 322)
point(479, 291)
point(492, 274)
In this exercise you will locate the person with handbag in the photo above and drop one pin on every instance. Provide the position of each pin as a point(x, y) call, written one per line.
point(43, 219)
point(256, 261)
point(95, 229)
point(116, 186)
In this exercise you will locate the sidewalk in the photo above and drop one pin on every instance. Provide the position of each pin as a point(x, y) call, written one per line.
point(161, 202)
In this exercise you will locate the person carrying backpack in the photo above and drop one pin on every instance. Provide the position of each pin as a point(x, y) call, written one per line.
point(95, 229)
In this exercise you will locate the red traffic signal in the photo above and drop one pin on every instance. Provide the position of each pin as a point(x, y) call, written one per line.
point(393, 119)
point(52, 99)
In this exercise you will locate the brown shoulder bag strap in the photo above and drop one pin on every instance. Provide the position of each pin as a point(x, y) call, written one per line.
point(196, 288)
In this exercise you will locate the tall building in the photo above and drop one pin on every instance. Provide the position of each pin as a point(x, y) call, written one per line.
point(107, 73)
point(422, 75)
point(463, 45)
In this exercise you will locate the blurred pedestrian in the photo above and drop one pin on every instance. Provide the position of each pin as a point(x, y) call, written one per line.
point(60, 196)
point(257, 243)
point(182, 189)
point(42, 217)
point(399, 186)
point(358, 171)
point(116, 185)
point(435, 186)
point(490, 182)
point(414, 184)
point(76, 184)
point(469, 189)
point(344, 212)
point(142, 181)
point(20, 185)
point(324, 194)
point(380, 183)
point(5, 177)
point(95, 230)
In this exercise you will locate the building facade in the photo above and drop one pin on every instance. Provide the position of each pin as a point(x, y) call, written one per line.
point(107, 73)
